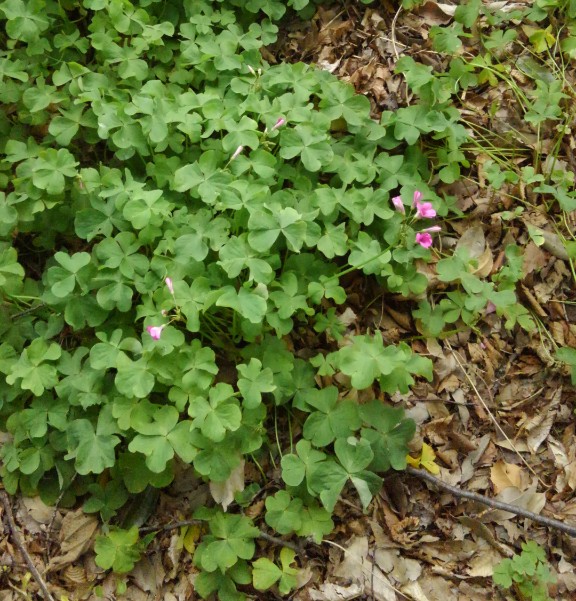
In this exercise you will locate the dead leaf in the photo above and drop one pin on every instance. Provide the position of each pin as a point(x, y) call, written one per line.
point(75, 538)
point(334, 592)
point(148, 574)
point(356, 566)
point(472, 241)
point(223, 492)
point(539, 426)
point(529, 499)
point(504, 475)
point(482, 564)
point(468, 465)
point(33, 514)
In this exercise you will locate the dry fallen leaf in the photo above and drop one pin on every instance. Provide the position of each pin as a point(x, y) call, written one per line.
point(334, 592)
point(473, 242)
point(529, 499)
point(223, 492)
point(356, 566)
point(504, 475)
point(75, 538)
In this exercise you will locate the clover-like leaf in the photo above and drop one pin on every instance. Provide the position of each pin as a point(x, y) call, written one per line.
point(92, 451)
point(118, 550)
point(217, 414)
point(231, 538)
point(133, 378)
point(254, 382)
point(334, 419)
point(283, 513)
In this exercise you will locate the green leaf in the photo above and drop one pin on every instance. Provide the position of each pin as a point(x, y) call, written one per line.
point(118, 550)
point(245, 301)
point(133, 378)
point(283, 513)
point(254, 381)
point(468, 13)
point(354, 455)
point(502, 574)
point(416, 74)
point(231, 538)
point(32, 368)
point(265, 574)
point(389, 435)
point(334, 419)
point(26, 19)
point(265, 227)
point(217, 414)
point(568, 356)
point(366, 359)
point(309, 143)
point(93, 452)
point(316, 522)
point(52, 168)
point(328, 479)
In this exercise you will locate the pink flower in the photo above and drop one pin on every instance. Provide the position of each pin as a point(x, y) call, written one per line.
point(424, 239)
point(434, 228)
point(281, 121)
point(170, 285)
point(236, 153)
point(398, 204)
point(155, 331)
point(417, 197)
point(424, 210)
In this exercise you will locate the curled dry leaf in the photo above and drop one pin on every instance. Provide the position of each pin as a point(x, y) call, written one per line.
point(359, 568)
point(223, 492)
point(75, 538)
point(473, 242)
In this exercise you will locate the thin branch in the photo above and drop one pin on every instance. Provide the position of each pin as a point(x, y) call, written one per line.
point(29, 310)
point(458, 492)
point(262, 535)
point(171, 526)
point(18, 542)
point(393, 33)
point(48, 534)
point(278, 541)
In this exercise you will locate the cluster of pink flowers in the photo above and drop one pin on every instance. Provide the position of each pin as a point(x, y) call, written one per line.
point(424, 210)
point(156, 331)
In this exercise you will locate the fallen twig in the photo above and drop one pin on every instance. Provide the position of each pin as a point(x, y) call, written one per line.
point(18, 542)
point(458, 492)
point(262, 535)
point(282, 543)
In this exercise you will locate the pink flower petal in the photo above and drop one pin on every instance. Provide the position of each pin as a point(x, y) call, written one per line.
point(424, 239)
point(424, 210)
point(434, 228)
point(155, 331)
point(170, 285)
point(398, 204)
point(281, 121)
point(417, 197)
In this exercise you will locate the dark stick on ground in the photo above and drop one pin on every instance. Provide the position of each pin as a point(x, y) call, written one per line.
point(15, 535)
point(271, 539)
point(458, 492)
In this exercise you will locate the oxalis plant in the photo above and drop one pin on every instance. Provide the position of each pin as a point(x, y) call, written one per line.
point(173, 208)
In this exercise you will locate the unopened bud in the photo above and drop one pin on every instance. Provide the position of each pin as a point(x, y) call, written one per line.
point(237, 152)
